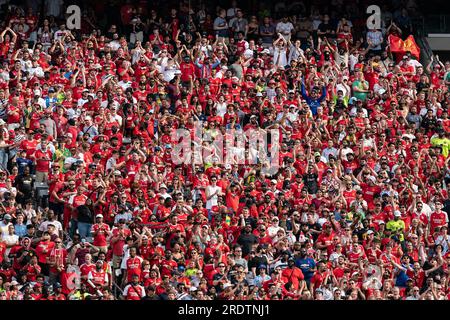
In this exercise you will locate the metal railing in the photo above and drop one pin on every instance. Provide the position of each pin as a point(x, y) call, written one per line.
point(433, 23)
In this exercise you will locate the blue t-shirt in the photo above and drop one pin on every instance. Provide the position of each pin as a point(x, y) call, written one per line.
point(20, 230)
point(221, 22)
point(306, 264)
point(22, 163)
point(402, 277)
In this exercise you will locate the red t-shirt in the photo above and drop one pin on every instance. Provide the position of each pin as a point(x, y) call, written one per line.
point(43, 159)
point(100, 238)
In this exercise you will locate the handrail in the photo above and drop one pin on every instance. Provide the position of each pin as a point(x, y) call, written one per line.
point(116, 287)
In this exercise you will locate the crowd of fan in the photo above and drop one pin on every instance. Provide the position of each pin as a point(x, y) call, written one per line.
point(356, 211)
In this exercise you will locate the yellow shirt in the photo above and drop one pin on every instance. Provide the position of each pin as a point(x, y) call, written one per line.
point(444, 143)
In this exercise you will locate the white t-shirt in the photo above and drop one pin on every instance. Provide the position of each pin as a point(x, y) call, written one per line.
point(273, 230)
point(125, 256)
point(10, 239)
point(4, 227)
point(232, 12)
point(284, 28)
point(213, 200)
point(221, 108)
point(81, 102)
point(57, 224)
point(344, 153)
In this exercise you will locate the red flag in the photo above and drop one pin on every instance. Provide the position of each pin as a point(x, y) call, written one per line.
point(399, 46)
point(410, 45)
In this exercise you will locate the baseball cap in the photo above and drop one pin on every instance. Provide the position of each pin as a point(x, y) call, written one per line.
point(397, 213)
point(317, 154)
point(7, 217)
point(259, 94)
point(99, 215)
point(370, 232)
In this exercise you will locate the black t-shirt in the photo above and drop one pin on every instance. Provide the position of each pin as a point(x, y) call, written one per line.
point(85, 214)
point(246, 240)
point(422, 86)
point(310, 180)
point(24, 184)
point(326, 27)
point(217, 277)
point(256, 262)
point(317, 227)
point(251, 221)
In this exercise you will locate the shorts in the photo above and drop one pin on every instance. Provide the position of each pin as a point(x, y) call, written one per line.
point(41, 176)
point(103, 249)
point(116, 261)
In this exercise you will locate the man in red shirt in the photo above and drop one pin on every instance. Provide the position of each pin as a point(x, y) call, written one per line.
point(57, 261)
point(320, 277)
point(168, 264)
point(100, 232)
point(133, 264)
point(42, 158)
point(119, 235)
point(43, 250)
point(98, 278)
point(74, 202)
point(438, 218)
point(134, 291)
point(32, 269)
point(292, 274)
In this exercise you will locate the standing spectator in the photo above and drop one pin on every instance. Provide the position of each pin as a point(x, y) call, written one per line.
point(285, 27)
point(221, 26)
point(374, 40)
